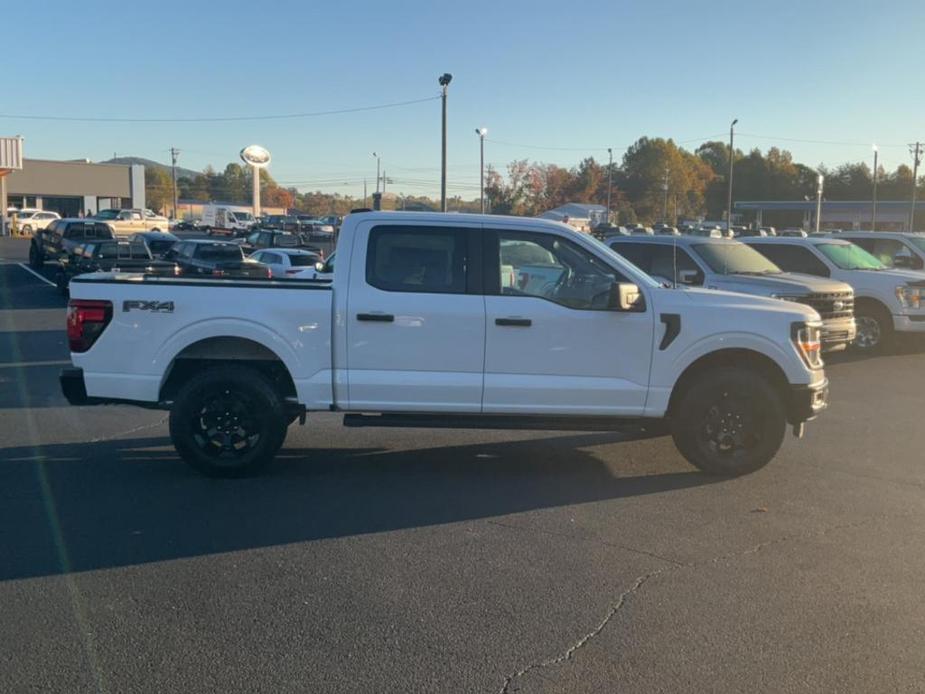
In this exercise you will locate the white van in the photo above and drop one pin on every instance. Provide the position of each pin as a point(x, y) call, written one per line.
point(226, 219)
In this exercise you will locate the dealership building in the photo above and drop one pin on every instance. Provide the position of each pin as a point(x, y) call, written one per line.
point(74, 187)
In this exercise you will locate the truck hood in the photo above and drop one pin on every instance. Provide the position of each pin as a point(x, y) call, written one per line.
point(720, 299)
point(915, 277)
point(785, 284)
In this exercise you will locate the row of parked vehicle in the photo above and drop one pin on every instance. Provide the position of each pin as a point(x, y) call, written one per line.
point(81, 246)
point(710, 230)
point(866, 286)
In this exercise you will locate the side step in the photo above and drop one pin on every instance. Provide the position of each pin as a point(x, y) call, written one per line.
point(494, 421)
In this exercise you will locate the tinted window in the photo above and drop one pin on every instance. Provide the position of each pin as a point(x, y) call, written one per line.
point(417, 259)
point(303, 260)
point(286, 240)
point(793, 258)
point(552, 268)
point(661, 261)
point(109, 250)
point(219, 252)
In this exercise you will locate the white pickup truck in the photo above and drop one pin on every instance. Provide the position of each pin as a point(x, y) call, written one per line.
point(428, 322)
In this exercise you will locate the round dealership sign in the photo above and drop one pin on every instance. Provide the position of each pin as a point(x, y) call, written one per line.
point(255, 155)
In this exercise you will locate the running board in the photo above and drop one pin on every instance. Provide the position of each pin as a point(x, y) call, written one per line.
point(492, 421)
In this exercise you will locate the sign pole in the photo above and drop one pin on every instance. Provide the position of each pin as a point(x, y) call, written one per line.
point(256, 171)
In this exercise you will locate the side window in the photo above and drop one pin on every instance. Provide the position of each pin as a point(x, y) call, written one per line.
point(136, 216)
point(417, 259)
point(109, 250)
point(639, 254)
point(675, 265)
point(252, 239)
point(550, 267)
point(792, 258)
point(885, 250)
point(258, 256)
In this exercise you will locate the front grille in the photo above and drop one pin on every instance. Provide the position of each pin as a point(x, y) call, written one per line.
point(825, 304)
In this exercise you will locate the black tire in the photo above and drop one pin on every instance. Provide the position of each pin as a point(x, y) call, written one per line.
point(36, 257)
point(875, 328)
point(61, 282)
point(228, 422)
point(729, 421)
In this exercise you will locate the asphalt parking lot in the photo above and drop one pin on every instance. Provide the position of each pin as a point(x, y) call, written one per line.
point(452, 561)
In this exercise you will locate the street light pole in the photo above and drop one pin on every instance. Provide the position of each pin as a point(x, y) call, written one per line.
point(873, 212)
point(916, 152)
point(444, 81)
point(378, 158)
point(819, 182)
point(609, 180)
point(665, 201)
point(731, 162)
point(174, 153)
point(481, 132)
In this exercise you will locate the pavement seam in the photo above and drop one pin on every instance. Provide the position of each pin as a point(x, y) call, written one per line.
point(640, 581)
point(130, 431)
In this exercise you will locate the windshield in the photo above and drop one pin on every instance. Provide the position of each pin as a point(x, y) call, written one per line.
point(847, 256)
point(244, 216)
point(107, 214)
point(734, 259)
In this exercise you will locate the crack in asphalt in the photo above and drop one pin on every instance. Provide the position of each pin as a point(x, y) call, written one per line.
point(141, 427)
point(640, 581)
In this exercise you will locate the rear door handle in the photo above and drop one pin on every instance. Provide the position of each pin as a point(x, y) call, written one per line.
point(376, 317)
point(514, 322)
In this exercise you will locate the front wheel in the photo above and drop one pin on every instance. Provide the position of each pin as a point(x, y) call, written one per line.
point(228, 422)
point(875, 328)
point(729, 421)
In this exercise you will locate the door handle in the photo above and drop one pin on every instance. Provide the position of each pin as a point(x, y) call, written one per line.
point(376, 317)
point(514, 322)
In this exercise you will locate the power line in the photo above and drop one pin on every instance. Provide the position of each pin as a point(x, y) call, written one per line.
point(218, 119)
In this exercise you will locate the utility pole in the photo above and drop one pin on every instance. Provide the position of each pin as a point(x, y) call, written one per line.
point(665, 201)
point(365, 196)
point(378, 159)
point(481, 132)
point(873, 211)
point(444, 81)
point(383, 183)
point(174, 153)
point(916, 151)
point(731, 162)
point(819, 182)
point(609, 180)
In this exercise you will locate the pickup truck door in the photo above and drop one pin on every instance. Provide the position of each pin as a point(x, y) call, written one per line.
point(414, 319)
point(552, 346)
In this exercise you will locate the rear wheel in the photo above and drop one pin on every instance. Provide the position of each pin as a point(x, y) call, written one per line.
point(875, 328)
point(36, 257)
point(729, 421)
point(228, 422)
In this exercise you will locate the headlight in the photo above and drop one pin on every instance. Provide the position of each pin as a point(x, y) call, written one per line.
point(807, 338)
point(909, 297)
point(785, 297)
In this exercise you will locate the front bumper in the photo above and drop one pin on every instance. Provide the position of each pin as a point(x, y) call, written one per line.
point(911, 323)
point(837, 334)
point(807, 401)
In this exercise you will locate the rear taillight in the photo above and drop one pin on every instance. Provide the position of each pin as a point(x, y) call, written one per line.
point(86, 321)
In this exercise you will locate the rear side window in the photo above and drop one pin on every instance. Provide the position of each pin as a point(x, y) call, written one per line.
point(417, 259)
point(109, 250)
point(302, 260)
point(793, 258)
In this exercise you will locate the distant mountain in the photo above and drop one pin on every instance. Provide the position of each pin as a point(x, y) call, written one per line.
point(150, 163)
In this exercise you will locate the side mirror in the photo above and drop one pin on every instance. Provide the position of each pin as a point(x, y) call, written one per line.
point(903, 261)
point(626, 297)
point(689, 277)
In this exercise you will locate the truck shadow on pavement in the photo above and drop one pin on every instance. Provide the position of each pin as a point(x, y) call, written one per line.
point(79, 507)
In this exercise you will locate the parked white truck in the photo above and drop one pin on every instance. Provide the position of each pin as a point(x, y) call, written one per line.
point(424, 324)
point(226, 219)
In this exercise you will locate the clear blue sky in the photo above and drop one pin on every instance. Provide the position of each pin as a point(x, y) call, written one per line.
point(583, 75)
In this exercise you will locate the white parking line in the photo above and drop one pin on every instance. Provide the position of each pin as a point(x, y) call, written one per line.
point(33, 272)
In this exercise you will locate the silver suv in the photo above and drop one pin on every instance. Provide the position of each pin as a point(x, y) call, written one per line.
point(732, 266)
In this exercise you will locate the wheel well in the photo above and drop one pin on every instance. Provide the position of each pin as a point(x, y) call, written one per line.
point(744, 358)
point(215, 351)
point(868, 302)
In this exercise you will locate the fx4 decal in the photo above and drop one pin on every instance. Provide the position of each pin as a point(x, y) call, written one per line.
point(155, 306)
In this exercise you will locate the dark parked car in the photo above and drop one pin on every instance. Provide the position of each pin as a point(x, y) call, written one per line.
point(215, 259)
point(103, 256)
point(157, 242)
point(62, 236)
point(282, 222)
point(188, 225)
